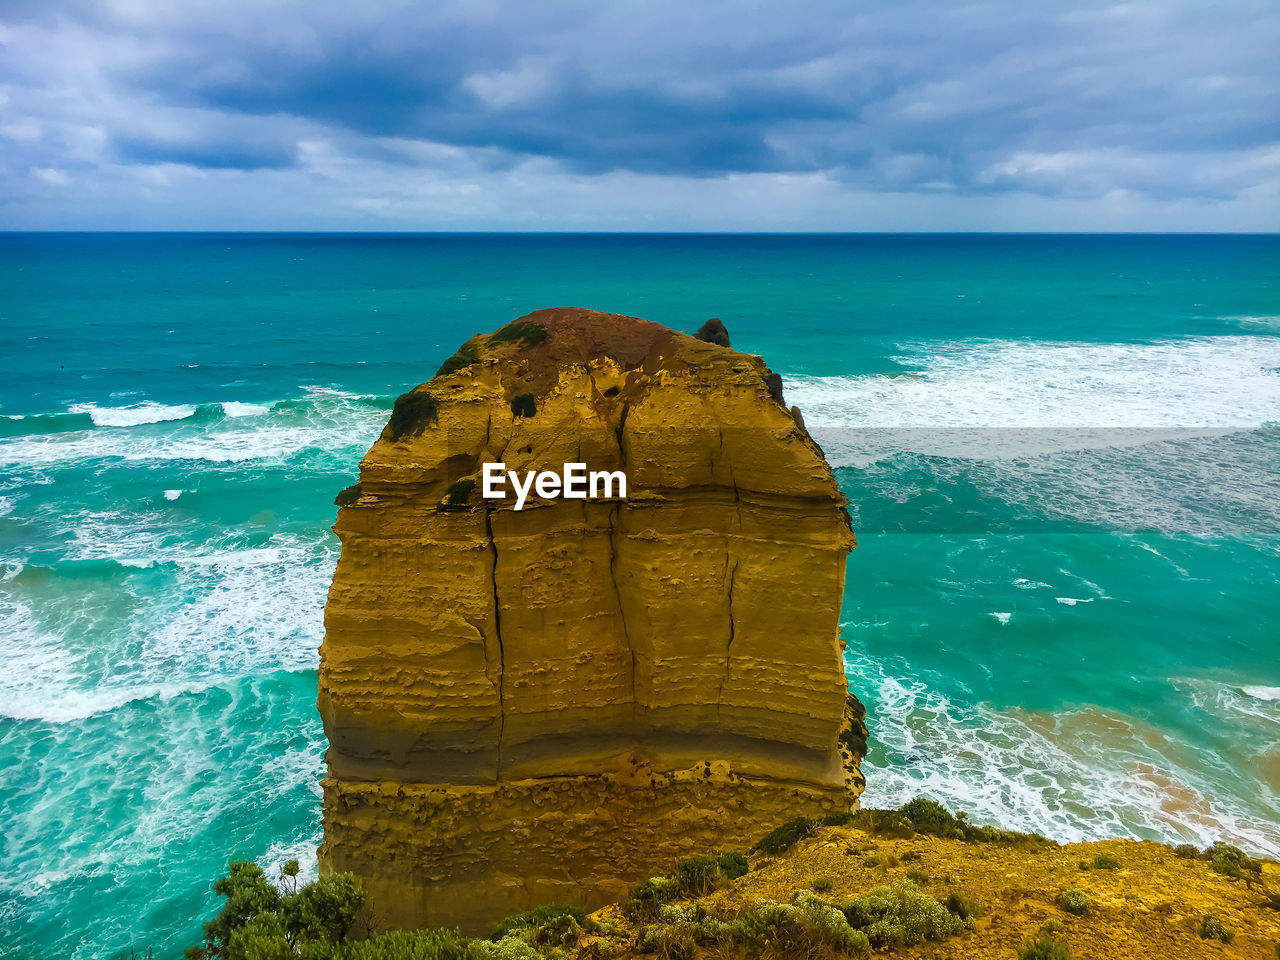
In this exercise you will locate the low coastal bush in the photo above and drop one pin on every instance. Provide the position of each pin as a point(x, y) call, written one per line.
point(1186, 851)
point(464, 358)
point(1075, 902)
point(918, 877)
point(695, 875)
point(1044, 947)
point(261, 918)
point(648, 896)
point(786, 836)
point(964, 908)
point(732, 864)
point(508, 948)
point(673, 942)
point(901, 915)
point(536, 918)
point(1231, 861)
point(525, 333)
point(409, 945)
point(412, 414)
point(1211, 928)
point(1102, 861)
point(602, 949)
point(347, 495)
point(928, 817)
point(821, 884)
point(808, 928)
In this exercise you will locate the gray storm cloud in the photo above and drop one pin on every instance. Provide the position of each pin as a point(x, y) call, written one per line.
point(498, 115)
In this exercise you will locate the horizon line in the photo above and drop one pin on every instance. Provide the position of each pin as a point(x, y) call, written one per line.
point(656, 233)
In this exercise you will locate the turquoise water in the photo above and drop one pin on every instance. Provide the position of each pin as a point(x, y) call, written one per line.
point(1062, 456)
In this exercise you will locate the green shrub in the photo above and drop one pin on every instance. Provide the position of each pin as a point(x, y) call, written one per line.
point(1211, 928)
point(1044, 947)
point(347, 495)
point(901, 915)
point(1075, 901)
point(695, 875)
point(929, 817)
point(602, 949)
point(508, 948)
point(1104, 861)
point(1231, 861)
point(523, 405)
point(409, 945)
point(464, 358)
point(1186, 851)
point(808, 928)
point(560, 932)
point(456, 497)
point(670, 941)
point(411, 414)
point(964, 908)
point(786, 836)
point(648, 896)
point(837, 819)
point(732, 864)
point(536, 918)
point(918, 877)
point(601, 928)
point(258, 920)
point(526, 333)
point(821, 884)
point(324, 909)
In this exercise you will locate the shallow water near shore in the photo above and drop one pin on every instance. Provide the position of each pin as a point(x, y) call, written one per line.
point(1061, 453)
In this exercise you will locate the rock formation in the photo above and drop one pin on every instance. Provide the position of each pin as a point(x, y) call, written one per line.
point(549, 704)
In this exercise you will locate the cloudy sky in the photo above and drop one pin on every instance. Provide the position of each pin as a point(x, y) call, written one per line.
point(647, 115)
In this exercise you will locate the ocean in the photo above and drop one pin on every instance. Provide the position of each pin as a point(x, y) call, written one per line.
point(1062, 456)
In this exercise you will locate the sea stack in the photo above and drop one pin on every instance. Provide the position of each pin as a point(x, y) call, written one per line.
point(548, 704)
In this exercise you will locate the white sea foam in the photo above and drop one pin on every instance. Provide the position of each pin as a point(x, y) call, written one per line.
point(325, 422)
point(133, 415)
point(222, 614)
point(1270, 694)
point(233, 409)
point(6, 505)
point(1002, 618)
point(68, 705)
point(1256, 322)
point(1072, 601)
point(1080, 774)
point(1034, 397)
point(304, 851)
point(172, 494)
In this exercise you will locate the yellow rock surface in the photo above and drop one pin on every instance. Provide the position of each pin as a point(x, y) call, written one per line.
point(549, 704)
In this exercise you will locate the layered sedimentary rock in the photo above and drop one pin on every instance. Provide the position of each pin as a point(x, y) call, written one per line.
point(547, 704)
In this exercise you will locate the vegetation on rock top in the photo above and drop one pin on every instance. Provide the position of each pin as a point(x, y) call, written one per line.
point(524, 333)
point(413, 413)
point(991, 893)
point(464, 358)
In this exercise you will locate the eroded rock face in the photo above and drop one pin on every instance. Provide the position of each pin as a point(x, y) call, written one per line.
point(549, 704)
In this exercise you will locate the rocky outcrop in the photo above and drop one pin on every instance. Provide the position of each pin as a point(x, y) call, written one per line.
point(547, 704)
